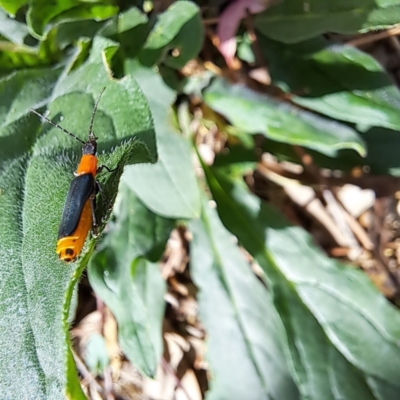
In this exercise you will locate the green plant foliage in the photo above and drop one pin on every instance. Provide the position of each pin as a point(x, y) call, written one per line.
point(21, 91)
point(72, 32)
point(381, 157)
point(46, 286)
point(245, 51)
point(15, 322)
point(12, 30)
point(174, 191)
point(96, 354)
point(321, 303)
point(339, 81)
point(380, 160)
point(131, 22)
point(14, 56)
point(292, 21)
point(12, 6)
point(17, 52)
point(304, 327)
point(180, 28)
point(255, 113)
point(42, 12)
point(228, 290)
point(123, 274)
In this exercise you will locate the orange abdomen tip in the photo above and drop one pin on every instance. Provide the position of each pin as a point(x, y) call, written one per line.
point(69, 247)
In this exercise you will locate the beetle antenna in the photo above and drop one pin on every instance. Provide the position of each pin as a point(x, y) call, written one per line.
point(91, 134)
point(56, 125)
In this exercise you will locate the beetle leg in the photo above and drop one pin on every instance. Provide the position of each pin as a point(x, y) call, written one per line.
point(103, 197)
point(101, 167)
point(94, 222)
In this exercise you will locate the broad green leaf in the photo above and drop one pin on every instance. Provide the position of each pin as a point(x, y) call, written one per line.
point(129, 24)
point(383, 390)
point(21, 375)
point(11, 29)
point(131, 19)
point(169, 187)
point(307, 344)
point(256, 113)
point(20, 91)
point(70, 32)
point(355, 318)
point(180, 28)
point(42, 12)
point(188, 42)
point(125, 130)
point(346, 381)
point(122, 274)
point(337, 80)
point(113, 122)
point(12, 6)
point(382, 157)
point(292, 21)
point(170, 23)
point(49, 172)
point(318, 366)
point(238, 314)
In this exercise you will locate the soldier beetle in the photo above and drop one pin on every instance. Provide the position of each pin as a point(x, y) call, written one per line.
point(80, 205)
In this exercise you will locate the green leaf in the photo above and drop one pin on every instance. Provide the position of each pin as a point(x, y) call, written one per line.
point(122, 274)
point(179, 27)
point(19, 92)
point(308, 346)
point(14, 56)
point(244, 50)
point(382, 159)
point(96, 354)
point(131, 19)
point(228, 290)
point(47, 280)
point(67, 33)
point(347, 382)
point(42, 12)
point(187, 43)
point(170, 23)
point(355, 318)
point(382, 390)
point(113, 122)
point(293, 21)
point(256, 113)
point(168, 188)
point(125, 133)
point(129, 24)
point(339, 81)
point(11, 29)
point(238, 161)
point(21, 375)
point(12, 6)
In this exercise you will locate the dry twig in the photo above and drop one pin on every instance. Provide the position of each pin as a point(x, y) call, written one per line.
point(363, 40)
